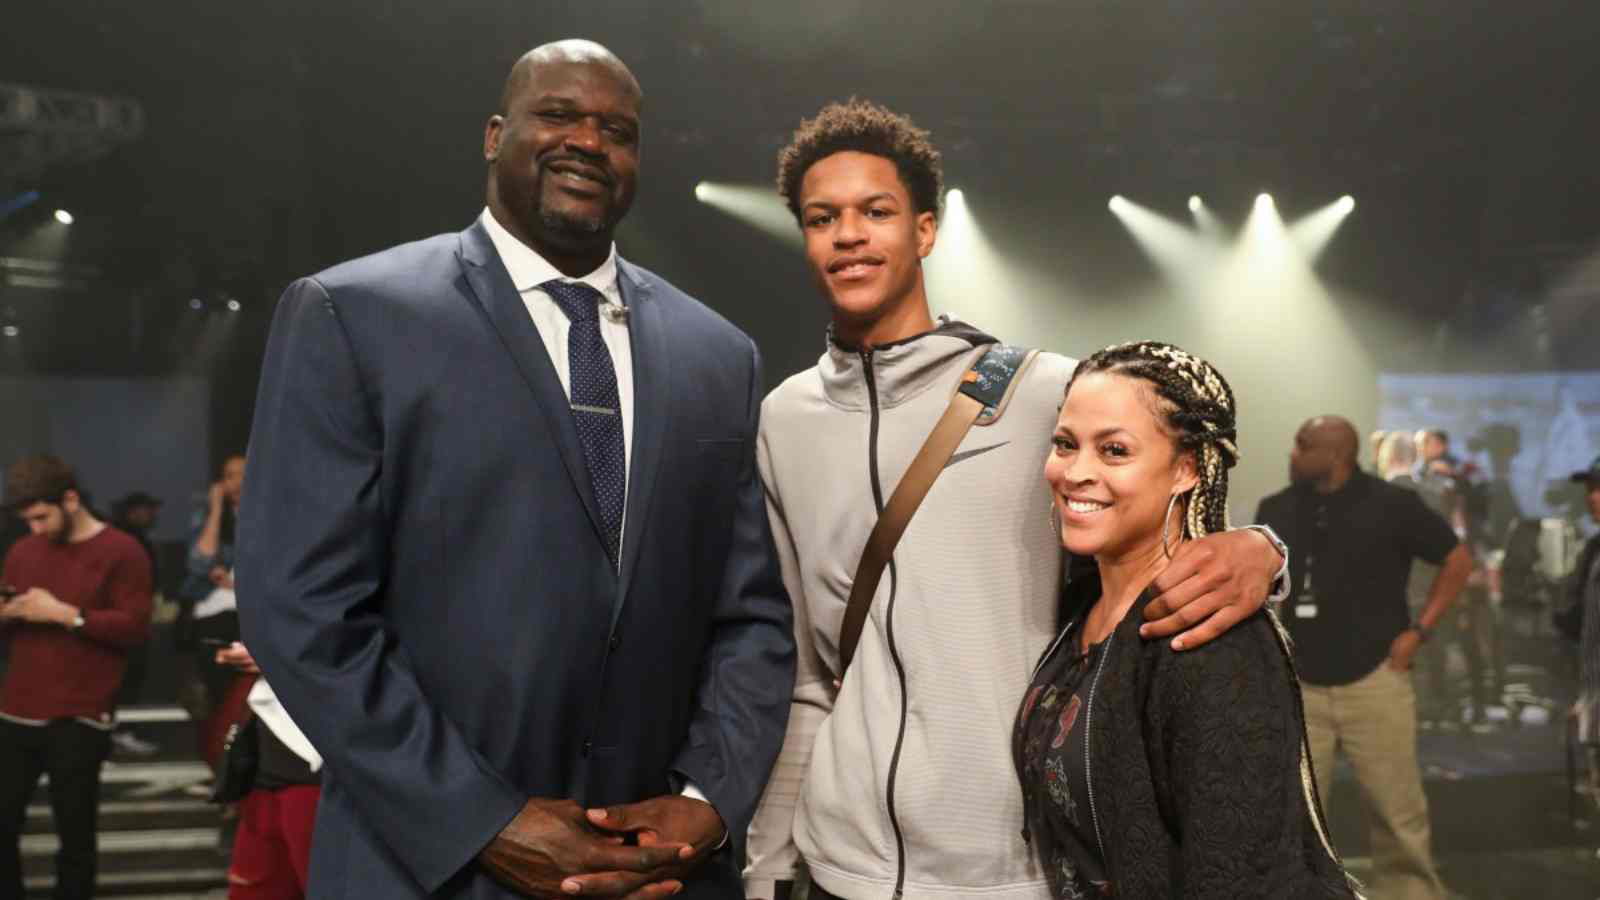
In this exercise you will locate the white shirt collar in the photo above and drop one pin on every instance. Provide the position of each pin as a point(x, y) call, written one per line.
point(529, 270)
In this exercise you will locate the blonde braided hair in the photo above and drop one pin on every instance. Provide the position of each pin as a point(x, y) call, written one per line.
point(1199, 411)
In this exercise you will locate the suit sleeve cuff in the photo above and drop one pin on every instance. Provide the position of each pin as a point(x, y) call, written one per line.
point(693, 792)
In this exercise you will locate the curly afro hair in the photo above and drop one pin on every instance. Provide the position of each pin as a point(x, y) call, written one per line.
point(865, 127)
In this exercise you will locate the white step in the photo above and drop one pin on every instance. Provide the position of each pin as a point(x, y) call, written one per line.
point(119, 882)
point(130, 841)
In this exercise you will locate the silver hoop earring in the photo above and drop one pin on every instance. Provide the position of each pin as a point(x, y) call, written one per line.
point(1166, 525)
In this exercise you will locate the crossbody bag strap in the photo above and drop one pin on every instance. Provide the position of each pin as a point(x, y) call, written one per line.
point(980, 398)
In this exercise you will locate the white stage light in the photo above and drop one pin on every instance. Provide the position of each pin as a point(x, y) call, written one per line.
point(233, 306)
point(1263, 201)
point(1347, 204)
point(1116, 203)
point(10, 331)
point(700, 192)
point(63, 217)
point(1195, 204)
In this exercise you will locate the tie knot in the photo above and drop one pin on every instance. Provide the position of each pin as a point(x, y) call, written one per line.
point(579, 301)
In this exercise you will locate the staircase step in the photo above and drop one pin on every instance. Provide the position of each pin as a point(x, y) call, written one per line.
point(135, 815)
point(173, 883)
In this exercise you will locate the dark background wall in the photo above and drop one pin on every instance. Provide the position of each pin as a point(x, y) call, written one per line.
point(280, 139)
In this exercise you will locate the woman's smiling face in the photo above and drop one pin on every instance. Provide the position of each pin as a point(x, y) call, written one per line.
point(1114, 466)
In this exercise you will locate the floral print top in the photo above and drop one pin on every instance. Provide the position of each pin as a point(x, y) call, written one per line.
point(1051, 746)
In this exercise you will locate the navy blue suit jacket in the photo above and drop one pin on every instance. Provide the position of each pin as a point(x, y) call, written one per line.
point(422, 579)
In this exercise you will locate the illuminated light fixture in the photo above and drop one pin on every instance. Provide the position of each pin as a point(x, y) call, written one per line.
point(196, 305)
point(700, 192)
point(1263, 201)
point(63, 217)
point(954, 195)
point(10, 331)
point(233, 306)
point(1347, 204)
point(1116, 203)
point(1195, 204)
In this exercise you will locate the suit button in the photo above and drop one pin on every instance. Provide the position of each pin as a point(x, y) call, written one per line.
point(616, 640)
point(588, 746)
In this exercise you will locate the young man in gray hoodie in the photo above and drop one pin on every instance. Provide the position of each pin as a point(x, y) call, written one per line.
point(898, 781)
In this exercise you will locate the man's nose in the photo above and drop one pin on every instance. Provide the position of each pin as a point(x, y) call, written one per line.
point(584, 136)
point(850, 232)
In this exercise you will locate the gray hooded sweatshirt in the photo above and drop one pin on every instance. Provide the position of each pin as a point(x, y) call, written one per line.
point(901, 783)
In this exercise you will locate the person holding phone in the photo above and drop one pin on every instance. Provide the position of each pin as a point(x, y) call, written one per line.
point(77, 598)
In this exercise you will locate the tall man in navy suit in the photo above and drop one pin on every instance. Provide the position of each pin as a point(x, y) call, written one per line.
point(504, 552)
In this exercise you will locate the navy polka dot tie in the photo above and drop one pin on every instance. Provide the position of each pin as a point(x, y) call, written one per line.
point(596, 409)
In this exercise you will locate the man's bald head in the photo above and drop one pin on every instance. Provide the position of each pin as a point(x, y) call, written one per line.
point(573, 51)
point(1324, 454)
point(1336, 434)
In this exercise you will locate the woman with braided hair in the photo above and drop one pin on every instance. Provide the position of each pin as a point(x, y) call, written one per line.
point(1146, 773)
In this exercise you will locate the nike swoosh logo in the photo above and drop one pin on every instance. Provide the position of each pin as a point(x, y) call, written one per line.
point(968, 454)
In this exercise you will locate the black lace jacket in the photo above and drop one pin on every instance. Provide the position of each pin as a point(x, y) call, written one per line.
point(1196, 766)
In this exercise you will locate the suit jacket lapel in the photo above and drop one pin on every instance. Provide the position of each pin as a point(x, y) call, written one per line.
point(650, 411)
point(491, 287)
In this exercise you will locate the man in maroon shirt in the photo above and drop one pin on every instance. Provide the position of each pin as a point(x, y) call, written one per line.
point(76, 598)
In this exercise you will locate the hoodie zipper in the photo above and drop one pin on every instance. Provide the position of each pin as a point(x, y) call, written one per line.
point(894, 652)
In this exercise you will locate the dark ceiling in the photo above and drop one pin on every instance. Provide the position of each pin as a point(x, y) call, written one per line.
point(280, 138)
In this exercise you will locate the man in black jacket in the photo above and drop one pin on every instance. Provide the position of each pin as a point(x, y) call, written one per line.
point(1356, 538)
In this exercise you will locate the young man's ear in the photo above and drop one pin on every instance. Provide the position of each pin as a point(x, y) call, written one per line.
point(927, 233)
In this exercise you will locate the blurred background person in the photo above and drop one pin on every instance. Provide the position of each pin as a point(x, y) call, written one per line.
point(210, 616)
point(1580, 621)
point(136, 514)
point(76, 598)
point(1355, 538)
point(1456, 490)
point(1438, 702)
point(271, 853)
point(1375, 442)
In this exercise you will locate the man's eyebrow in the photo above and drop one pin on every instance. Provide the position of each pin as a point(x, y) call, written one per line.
point(829, 204)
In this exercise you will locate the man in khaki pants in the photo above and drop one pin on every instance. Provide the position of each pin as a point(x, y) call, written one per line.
point(1355, 539)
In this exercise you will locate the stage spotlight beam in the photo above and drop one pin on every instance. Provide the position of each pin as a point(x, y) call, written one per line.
point(757, 205)
point(1312, 234)
point(1181, 254)
point(1195, 205)
point(64, 217)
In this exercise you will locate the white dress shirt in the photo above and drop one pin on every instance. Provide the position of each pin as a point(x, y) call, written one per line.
point(529, 270)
